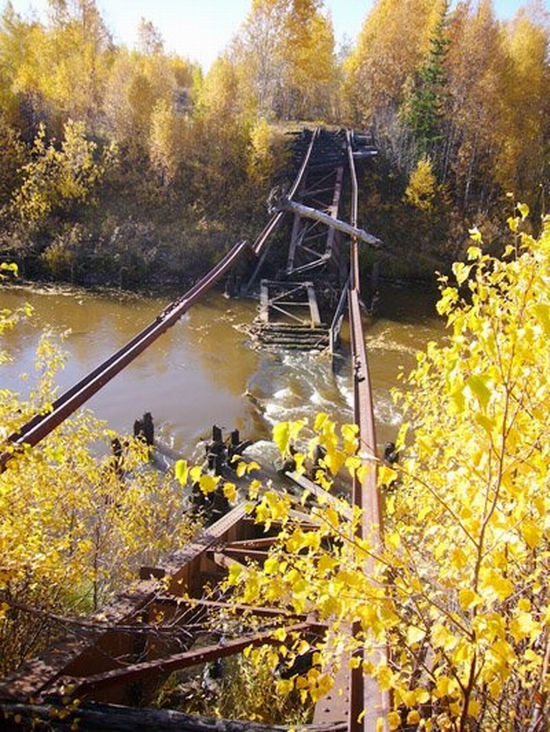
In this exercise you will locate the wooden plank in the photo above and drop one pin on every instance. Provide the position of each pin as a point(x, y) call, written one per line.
point(313, 306)
point(264, 301)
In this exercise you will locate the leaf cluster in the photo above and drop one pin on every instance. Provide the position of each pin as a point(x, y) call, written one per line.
point(459, 592)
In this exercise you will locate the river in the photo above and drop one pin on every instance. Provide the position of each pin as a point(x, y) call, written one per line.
point(204, 370)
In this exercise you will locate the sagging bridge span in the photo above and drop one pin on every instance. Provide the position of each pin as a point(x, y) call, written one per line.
point(128, 655)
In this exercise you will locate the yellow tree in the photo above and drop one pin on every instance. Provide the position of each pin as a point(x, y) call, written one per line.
point(140, 85)
point(223, 118)
point(308, 46)
point(257, 50)
point(67, 63)
point(393, 44)
point(422, 186)
point(286, 51)
point(15, 45)
point(164, 142)
point(75, 523)
point(58, 177)
point(460, 590)
point(475, 99)
point(523, 126)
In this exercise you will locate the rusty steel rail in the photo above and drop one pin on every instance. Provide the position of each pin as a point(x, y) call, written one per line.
point(178, 661)
point(41, 425)
point(259, 246)
point(276, 218)
point(365, 694)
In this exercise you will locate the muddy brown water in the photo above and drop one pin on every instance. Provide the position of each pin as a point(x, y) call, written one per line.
point(205, 371)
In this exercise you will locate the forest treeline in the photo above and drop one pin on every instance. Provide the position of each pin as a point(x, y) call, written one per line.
point(134, 167)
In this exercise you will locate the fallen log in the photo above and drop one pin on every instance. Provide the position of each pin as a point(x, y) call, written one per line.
point(95, 717)
point(323, 218)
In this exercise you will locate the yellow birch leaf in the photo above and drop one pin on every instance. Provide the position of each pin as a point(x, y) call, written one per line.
point(281, 437)
point(254, 489)
point(477, 386)
point(501, 586)
point(542, 312)
point(182, 471)
point(208, 483)
point(475, 234)
point(320, 420)
point(230, 492)
point(524, 626)
point(415, 635)
point(195, 473)
point(513, 223)
point(422, 696)
point(474, 708)
point(386, 476)
point(468, 599)
point(461, 271)
point(531, 533)
point(271, 565)
point(394, 720)
point(523, 209)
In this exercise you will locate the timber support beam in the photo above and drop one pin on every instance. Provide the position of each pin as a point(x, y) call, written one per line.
point(323, 218)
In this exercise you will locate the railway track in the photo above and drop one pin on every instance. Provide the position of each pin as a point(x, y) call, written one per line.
point(117, 662)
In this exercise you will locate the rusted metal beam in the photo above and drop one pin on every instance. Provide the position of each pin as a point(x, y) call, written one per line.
point(91, 651)
point(184, 567)
point(335, 208)
point(242, 554)
point(334, 708)
point(320, 492)
point(163, 666)
point(235, 606)
point(369, 705)
point(366, 696)
point(265, 541)
point(35, 675)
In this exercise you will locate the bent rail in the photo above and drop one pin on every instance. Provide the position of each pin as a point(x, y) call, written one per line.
point(41, 425)
point(276, 218)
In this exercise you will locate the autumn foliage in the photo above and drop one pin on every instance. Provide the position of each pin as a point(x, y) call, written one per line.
point(101, 143)
point(75, 522)
point(460, 591)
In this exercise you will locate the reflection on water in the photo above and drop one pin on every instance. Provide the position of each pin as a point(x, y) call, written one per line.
point(203, 371)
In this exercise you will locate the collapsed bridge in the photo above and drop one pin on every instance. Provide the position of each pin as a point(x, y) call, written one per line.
point(120, 662)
